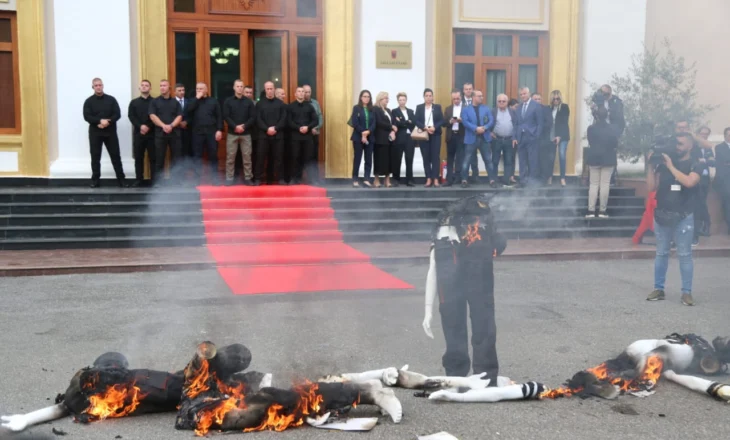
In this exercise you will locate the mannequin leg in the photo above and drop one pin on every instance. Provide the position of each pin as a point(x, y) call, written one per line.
point(717, 390)
point(525, 391)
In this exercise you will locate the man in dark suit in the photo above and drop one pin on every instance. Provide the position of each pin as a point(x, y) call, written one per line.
point(185, 128)
point(467, 97)
point(546, 154)
point(478, 122)
point(454, 139)
point(529, 127)
point(505, 126)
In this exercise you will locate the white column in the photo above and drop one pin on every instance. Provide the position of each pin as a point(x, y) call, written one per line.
point(390, 20)
point(611, 32)
point(90, 39)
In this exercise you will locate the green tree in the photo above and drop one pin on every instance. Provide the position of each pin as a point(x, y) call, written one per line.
point(658, 89)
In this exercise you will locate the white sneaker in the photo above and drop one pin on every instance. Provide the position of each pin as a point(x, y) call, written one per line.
point(602, 215)
point(590, 215)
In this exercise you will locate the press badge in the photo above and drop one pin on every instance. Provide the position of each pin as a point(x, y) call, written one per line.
point(676, 187)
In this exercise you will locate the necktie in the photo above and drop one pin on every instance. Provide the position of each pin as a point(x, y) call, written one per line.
point(524, 109)
point(182, 104)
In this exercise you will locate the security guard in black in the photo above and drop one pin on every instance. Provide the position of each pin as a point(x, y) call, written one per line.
point(102, 112)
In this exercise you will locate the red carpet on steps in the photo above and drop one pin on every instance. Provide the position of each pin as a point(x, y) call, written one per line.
point(283, 239)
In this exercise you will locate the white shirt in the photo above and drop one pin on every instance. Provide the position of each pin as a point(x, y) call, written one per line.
point(428, 116)
point(457, 114)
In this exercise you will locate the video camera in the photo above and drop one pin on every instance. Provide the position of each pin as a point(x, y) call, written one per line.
point(663, 144)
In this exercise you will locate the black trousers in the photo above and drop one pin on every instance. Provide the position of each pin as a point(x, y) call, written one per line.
point(503, 147)
point(407, 149)
point(547, 159)
point(301, 152)
point(454, 159)
point(111, 141)
point(431, 150)
point(455, 293)
point(360, 150)
point(173, 141)
point(205, 141)
point(265, 147)
point(311, 168)
point(140, 145)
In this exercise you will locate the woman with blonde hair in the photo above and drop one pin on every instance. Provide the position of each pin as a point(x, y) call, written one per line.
point(385, 130)
point(560, 133)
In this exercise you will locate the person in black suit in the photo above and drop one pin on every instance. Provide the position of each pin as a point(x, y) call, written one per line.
point(454, 139)
point(529, 127)
point(467, 96)
point(384, 136)
point(362, 122)
point(404, 120)
point(722, 175)
point(430, 118)
point(560, 134)
point(546, 145)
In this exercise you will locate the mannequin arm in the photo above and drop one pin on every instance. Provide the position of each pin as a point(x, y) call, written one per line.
point(525, 391)
point(19, 422)
point(431, 287)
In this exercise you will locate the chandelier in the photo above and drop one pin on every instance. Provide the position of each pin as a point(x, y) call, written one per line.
point(223, 55)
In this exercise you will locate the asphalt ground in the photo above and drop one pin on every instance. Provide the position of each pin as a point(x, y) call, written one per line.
point(553, 319)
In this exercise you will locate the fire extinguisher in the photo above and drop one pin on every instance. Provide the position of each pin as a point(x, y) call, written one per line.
point(443, 171)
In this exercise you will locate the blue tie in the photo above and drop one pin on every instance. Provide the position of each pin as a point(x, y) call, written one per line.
point(524, 109)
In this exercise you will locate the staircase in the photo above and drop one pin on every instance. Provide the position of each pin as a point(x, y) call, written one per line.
point(409, 214)
point(74, 217)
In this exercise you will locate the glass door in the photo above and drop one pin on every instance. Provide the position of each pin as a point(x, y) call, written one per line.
point(497, 79)
point(270, 61)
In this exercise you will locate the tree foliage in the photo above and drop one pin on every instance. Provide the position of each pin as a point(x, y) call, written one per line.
point(658, 89)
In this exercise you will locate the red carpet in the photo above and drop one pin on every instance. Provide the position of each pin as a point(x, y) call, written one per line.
point(284, 239)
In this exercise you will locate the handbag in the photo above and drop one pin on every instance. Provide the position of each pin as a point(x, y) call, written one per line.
point(420, 135)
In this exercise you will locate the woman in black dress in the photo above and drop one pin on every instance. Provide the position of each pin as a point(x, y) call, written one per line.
point(385, 130)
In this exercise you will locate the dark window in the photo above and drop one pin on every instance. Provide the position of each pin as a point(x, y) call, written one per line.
point(225, 64)
point(463, 73)
point(307, 63)
point(9, 94)
point(6, 32)
point(497, 46)
point(529, 47)
point(185, 61)
point(307, 8)
point(184, 6)
point(464, 44)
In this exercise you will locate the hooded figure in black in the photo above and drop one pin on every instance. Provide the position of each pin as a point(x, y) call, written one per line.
point(461, 271)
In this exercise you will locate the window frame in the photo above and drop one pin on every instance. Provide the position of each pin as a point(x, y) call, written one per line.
point(479, 61)
point(12, 47)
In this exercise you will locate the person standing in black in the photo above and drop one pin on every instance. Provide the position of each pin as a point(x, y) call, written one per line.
point(102, 112)
point(404, 119)
point(271, 122)
point(143, 137)
point(186, 132)
point(207, 121)
point(239, 112)
point(546, 155)
point(166, 114)
point(302, 120)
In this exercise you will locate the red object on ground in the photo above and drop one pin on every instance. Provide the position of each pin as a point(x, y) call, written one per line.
point(284, 239)
point(647, 220)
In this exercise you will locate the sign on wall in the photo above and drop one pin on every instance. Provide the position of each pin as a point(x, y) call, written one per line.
point(393, 54)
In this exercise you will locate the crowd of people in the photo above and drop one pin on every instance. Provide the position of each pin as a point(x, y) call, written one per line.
point(278, 141)
point(527, 129)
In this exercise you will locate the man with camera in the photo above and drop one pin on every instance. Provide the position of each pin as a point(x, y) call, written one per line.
point(674, 174)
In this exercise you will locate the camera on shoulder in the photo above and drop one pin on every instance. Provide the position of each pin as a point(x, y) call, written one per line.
point(663, 144)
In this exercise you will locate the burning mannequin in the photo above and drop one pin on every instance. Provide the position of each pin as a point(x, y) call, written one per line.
point(461, 271)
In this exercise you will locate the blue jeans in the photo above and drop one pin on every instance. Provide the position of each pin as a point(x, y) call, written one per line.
point(682, 234)
point(486, 152)
point(562, 152)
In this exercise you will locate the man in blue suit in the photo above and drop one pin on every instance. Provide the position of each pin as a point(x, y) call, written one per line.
point(529, 127)
point(477, 120)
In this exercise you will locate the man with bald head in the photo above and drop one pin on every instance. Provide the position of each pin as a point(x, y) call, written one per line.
point(207, 120)
point(102, 112)
point(505, 123)
point(280, 94)
point(271, 123)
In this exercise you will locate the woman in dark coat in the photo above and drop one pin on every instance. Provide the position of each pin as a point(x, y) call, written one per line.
point(363, 137)
point(430, 118)
point(560, 133)
point(385, 131)
point(601, 160)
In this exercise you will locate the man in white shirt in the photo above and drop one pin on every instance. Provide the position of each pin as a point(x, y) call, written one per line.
point(454, 139)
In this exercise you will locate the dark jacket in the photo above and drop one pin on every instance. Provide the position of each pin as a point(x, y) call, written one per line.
point(205, 115)
point(562, 129)
point(512, 115)
point(139, 115)
point(722, 168)
point(449, 127)
point(404, 123)
point(101, 107)
point(547, 123)
point(358, 124)
point(271, 113)
point(383, 126)
point(603, 143)
point(615, 112)
point(438, 118)
point(167, 110)
point(237, 111)
point(300, 115)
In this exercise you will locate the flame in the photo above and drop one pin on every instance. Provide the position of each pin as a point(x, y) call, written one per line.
point(208, 417)
point(647, 379)
point(472, 233)
point(310, 403)
point(199, 382)
point(119, 400)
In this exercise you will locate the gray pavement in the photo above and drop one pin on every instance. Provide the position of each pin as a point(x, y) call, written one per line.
point(554, 318)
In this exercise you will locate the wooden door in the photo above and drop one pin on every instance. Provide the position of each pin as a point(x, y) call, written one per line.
point(495, 79)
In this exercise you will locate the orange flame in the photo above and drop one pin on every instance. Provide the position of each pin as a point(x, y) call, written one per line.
point(119, 400)
point(649, 377)
point(472, 233)
point(310, 403)
point(207, 418)
point(198, 383)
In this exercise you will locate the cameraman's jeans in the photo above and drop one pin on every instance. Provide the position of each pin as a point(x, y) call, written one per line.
point(682, 234)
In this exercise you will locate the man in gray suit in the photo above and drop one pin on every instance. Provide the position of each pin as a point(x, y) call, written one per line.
point(529, 126)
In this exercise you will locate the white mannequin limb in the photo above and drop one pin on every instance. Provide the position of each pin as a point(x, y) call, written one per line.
point(676, 356)
point(18, 422)
point(443, 435)
point(389, 376)
point(524, 391)
point(717, 390)
point(412, 380)
point(432, 280)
